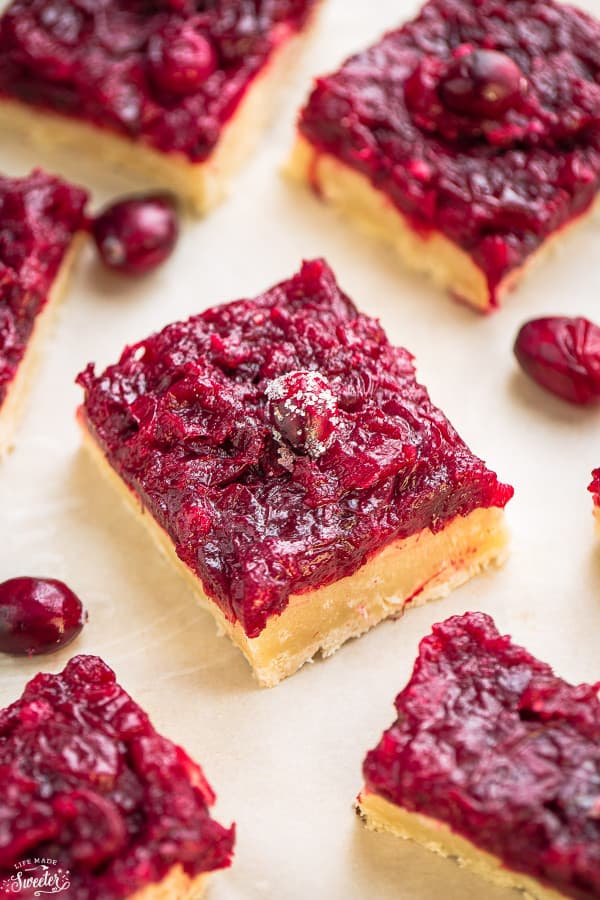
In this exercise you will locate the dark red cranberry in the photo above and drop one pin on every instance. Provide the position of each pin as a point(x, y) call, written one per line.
point(180, 58)
point(38, 615)
point(302, 411)
point(136, 234)
point(563, 356)
point(96, 829)
point(482, 83)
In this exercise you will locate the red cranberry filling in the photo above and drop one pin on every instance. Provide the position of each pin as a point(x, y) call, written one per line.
point(38, 615)
point(137, 234)
point(594, 487)
point(263, 429)
point(563, 356)
point(171, 73)
point(39, 215)
point(480, 122)
point(491, 742)
point(88, 781)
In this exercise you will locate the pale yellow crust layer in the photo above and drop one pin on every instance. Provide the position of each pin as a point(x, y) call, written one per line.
point(201, 185)
point(18, 389)
point(423, 567)
point(352, 194)
point(379, 814)
point(176, 885)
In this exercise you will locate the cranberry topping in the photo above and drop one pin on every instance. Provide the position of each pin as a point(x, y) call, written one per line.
point(87, 780)
point(489, 741)
point(188, 419)
point(477, 121)
point(482, 83)
point(180, 58)
point(170, 73)
point(39, 216)
point(136, 234)
point(563, 356)
point(302, 411)
point(594, 487)
point(38, 615)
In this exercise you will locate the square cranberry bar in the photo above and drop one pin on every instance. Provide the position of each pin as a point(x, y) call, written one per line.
point(495, 761)
point(469, 138)
point(41, 218)
point(87, 781)
point(292, 466)
point(177, 91)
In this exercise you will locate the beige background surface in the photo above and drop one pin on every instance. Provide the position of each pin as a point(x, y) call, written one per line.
point(286, 763)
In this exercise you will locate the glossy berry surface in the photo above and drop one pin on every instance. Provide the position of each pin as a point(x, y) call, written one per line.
point(482, 83)
point(493, 744)
point(38, 615)
point(39, 217)
point(189, 419)
point(563, 356)
point(135, 235)
point(302, 411)
point(180, 58)
point(170, 73)
point(478, 120)
point(88, 781)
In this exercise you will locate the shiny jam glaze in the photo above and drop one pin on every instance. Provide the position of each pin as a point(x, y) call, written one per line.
point(563, 356)
point(39, 216)
point(170, 74)
point(186, 418)
point(88, 781)
point(38, 615)
point(491, 742)
point(480, 119)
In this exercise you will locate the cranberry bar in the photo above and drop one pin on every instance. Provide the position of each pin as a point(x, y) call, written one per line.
point(594, 490)
point(495, 761)
point(41, 219)
point(469, 138)
point(294, 469)
point(177, 91)
point(88, 782)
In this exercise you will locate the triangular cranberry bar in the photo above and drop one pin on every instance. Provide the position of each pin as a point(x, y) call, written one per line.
point(493, 760)
point(88, 784)
point(294, 468)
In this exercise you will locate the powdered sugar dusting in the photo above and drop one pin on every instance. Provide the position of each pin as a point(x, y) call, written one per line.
point(303, 413)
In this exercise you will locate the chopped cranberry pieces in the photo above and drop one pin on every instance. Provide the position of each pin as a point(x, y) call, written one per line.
point(87, 780)
point(490, 742)
point(302, 411)
point(482, 83)
point(477, 119)
point(171, 73)
point(360, 456)
point(39, 217)
point(137, 234)
point(563, 356)
point(594, 487)
point(181, 59)
point(38, 615)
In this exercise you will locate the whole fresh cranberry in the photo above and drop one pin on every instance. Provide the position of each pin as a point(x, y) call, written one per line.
point(136, 234)
point(563, 356)
point(180, 58)
point(38, 615)
point(483, 84)
point(302, 411)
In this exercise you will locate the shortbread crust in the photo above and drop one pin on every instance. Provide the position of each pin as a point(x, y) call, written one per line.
point(201, 185)
point(408, 572)
point(176, 885)
point(379, 814)
point(12, 408)
point(352, 194)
